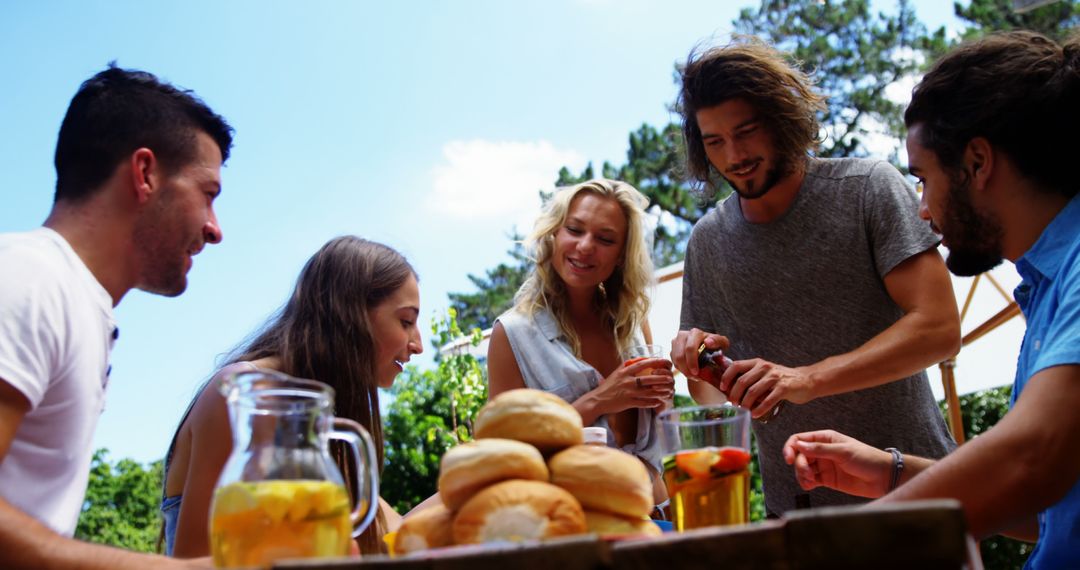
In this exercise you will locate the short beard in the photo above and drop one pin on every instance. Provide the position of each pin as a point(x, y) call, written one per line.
point(773, 176)
point(974, 238)
point(163, 272)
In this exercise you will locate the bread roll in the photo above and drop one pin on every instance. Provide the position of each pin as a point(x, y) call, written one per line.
point(605, 524)
point(604, 479)
point(472, 466)
point(429, 528)
point(518, 510)
point(531, 416)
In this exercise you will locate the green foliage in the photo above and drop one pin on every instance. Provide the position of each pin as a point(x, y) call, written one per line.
point(985, 16)
point(494, 291)
point(121, 506)
point(854, 55)
point(432, 411)
point(981, 411)
point(757, 493)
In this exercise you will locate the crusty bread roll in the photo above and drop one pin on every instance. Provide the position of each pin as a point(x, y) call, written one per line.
point(472, 466)
point(606, 524)
point(518, 510)
point(531, 416)
point(429, 528)
point(604, 479)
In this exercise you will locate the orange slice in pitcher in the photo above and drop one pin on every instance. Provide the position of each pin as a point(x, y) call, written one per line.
point(697, 463)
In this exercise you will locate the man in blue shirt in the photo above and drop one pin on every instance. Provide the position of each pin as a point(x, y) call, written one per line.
point(992, 140)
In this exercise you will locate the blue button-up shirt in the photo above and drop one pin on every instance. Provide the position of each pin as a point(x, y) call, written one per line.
point(1049, 296)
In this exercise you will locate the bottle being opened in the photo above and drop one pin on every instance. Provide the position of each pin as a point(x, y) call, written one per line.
point(711, 366)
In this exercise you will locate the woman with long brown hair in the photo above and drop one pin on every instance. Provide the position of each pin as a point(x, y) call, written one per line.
point(350, 323)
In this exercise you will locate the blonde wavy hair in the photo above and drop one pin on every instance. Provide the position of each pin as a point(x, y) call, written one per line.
point(621, 298)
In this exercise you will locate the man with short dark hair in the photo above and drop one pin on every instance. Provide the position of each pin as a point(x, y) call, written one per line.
point(992, 139)
point(817, 271)
point(138, 166)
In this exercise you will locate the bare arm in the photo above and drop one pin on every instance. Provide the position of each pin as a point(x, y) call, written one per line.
point(1025, 463)
point(211, 444)
point(432, 501)
point(26, 543)
point(393, 518)
point(929, 332)
point(1027, 531)
point(830, 459)
point(503, 371)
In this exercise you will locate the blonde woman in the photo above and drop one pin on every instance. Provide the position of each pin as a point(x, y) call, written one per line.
point(583, 304)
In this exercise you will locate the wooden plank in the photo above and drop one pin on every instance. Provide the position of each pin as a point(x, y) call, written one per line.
point(754, 546)
point(918, 534)
point(586, 552)
point(924, 535)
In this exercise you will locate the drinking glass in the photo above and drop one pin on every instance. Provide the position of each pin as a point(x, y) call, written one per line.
point(641, 352)
point(706, 465)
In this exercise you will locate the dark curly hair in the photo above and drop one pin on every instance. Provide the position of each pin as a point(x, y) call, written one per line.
point(1019, 90)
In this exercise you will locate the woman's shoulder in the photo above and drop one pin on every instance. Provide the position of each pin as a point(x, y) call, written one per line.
point(542, 323)
point(515, 318)
point(233, 368)
point(209, 407)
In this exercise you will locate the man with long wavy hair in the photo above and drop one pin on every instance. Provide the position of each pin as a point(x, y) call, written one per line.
point(816, 275)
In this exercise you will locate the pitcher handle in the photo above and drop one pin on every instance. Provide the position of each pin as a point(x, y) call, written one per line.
point(357, 437)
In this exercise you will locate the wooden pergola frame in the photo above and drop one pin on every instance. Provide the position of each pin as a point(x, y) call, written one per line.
point(947, 367)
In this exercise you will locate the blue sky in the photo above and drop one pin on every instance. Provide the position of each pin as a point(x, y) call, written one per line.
point(428, 126)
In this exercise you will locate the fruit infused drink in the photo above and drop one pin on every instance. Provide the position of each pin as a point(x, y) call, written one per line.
point(708, 487)
point(640, 352)
point(256, 523)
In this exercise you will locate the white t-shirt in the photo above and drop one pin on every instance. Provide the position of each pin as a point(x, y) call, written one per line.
point(56, 332)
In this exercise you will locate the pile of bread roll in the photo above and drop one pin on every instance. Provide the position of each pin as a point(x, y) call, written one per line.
point(499, 487)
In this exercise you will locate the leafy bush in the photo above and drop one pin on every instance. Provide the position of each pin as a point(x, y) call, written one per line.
point(432, 411)
point(981, 410)
point(121, 505)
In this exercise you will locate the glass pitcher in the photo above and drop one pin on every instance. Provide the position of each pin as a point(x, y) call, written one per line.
point(280, 494)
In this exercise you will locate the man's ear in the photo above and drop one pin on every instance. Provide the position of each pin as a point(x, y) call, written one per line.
point(145, 174)
point(979, 161)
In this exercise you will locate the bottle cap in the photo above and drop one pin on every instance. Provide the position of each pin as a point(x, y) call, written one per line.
point(595, 436)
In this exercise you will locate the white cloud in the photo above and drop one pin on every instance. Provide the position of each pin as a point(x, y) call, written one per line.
point(496, 181)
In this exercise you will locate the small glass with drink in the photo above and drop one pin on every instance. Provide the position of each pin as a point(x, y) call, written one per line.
point(641, 352)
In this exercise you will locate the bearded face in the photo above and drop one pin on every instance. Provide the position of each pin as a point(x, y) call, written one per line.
point(974, 238)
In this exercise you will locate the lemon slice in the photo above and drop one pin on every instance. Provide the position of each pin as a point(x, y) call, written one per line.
point(234, 498)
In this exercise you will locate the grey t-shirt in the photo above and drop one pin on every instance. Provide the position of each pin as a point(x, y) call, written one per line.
point(807, 286)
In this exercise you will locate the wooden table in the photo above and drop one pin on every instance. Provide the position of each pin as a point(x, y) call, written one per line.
point(923, 535)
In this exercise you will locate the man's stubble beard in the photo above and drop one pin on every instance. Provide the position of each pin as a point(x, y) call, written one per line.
point(784, 167)
point(973, 238)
